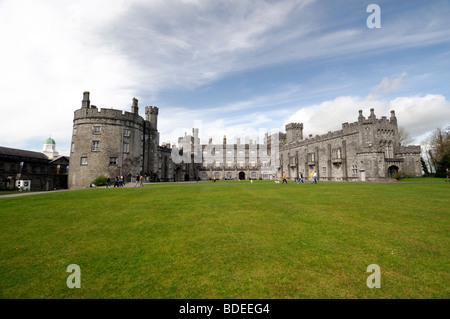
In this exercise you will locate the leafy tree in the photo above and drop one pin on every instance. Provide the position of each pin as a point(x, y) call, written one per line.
point(439, 151)
point(426, 172)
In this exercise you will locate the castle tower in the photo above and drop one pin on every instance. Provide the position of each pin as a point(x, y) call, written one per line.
point(151, 115)
point(294, 132)
point(105, 142)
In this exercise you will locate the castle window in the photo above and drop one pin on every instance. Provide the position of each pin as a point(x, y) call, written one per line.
point(336, 153)
point(113, 161)
point(84, 161)
point(126, 132)
point(96, 129)
point(126, 147)
point(95, 146)
point(389, 151)
point(292, 160)
point(73, 147)
point(354, 169)
point(311, 157)
point(74, 131)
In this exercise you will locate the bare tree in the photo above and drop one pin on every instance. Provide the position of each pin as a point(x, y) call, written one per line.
point(404, 138)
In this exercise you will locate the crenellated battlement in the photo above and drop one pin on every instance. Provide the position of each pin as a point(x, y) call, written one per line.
point(411, 149)
point(91, 111)
point(111, 114)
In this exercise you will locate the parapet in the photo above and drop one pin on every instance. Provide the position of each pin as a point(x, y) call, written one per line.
point(294, 126)
point(151, 110)
point(94, 113)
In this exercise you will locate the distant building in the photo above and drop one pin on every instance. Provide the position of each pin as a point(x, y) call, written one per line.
point(366, 150)
point(50, 148)
point(34, 171)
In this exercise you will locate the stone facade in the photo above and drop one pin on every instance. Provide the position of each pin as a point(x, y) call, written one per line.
point(113, 143)
point(366, 150)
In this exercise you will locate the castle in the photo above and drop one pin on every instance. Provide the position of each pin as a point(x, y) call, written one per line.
point(113, 143)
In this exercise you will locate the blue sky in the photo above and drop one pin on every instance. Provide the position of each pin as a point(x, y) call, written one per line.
point(232, 68)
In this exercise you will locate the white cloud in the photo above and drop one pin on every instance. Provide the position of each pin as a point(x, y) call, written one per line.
point(50, 55)
point(387, 85)
point(52, 51)
point(418, 114)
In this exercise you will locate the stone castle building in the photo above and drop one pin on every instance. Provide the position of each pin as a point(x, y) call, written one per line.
point(366, 150)
point(110, 142)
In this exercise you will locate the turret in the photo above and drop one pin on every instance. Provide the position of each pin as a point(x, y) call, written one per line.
point(393, 117)
point(151, 115)
point(294, 132)
point(361, 118)
point(134, 106)
point(372, 116)
point(85, 104)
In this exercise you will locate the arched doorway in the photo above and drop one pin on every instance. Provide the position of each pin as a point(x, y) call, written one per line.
point(241, 175)
point(178, 174)
point(392, 171)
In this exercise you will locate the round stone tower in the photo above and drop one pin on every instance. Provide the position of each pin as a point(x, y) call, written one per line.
point(105, 142)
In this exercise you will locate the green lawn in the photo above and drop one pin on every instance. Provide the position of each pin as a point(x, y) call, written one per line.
point(229, 240)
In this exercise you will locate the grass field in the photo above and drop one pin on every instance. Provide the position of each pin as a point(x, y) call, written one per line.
point(229, 240)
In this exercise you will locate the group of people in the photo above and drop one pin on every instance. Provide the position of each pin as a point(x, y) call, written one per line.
point(139, 180)
point(313, 178)
point(118, 182)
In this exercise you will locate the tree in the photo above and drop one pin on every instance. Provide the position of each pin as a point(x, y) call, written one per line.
point(424, 167)
point(404, 138)
point(439, 151)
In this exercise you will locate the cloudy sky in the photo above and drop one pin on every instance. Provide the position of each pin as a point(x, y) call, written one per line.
point(232, 68)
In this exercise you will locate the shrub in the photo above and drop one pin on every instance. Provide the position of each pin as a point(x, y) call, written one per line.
point(398, 176)
point(100, 181)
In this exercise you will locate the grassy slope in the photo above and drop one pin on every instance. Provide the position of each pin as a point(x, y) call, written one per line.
point(228, 240)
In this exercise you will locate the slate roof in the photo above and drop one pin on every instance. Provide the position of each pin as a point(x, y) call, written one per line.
point(21, 153)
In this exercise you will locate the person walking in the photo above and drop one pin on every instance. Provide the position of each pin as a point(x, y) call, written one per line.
point(284, 178)
point(300, 178)
point(116, 181)
point(141, 180)
point(137, 180)
point(315, 177)
point(311, 177)
point(447, 174)
point(108, 180)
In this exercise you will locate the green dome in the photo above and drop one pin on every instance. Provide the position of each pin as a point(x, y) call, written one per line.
point(49, 141)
